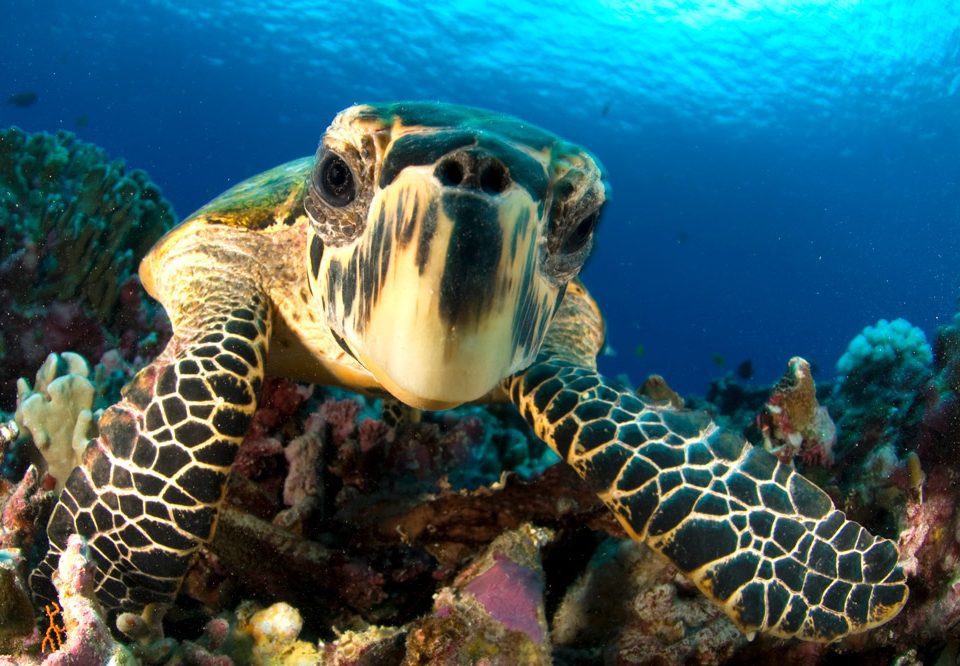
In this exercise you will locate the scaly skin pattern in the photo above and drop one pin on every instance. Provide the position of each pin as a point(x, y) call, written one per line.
point(427, 246)
point(755, 536)
point(148, 492)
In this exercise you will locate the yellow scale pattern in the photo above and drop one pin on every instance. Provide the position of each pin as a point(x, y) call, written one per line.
point(759, 539)
point(148, 492)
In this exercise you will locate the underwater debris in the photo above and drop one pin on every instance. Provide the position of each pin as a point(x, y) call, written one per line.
point(72, 225)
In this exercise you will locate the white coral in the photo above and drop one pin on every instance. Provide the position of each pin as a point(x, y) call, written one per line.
point(57, 412)
point(887, 343)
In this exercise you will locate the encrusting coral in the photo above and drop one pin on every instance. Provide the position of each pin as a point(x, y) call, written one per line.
point(493, 613)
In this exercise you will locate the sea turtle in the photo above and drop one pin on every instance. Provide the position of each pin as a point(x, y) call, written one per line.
point(431, 252)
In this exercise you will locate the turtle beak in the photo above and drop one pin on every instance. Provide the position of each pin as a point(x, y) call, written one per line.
point(452, 299)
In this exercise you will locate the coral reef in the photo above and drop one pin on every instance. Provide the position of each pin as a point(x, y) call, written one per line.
point(72, 226)
point(352, 537)
point(56, 412)
point(410, 544)
point(881, 374)
point(792, 423)
point(630, 607)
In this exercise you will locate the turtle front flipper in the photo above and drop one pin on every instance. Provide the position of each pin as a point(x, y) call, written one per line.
point(147, 494)
point(756, 537)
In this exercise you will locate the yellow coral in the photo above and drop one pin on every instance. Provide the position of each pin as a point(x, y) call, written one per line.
point(274, 631)
point(57, 412)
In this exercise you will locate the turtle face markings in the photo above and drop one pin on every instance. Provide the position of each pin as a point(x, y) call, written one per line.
point(442, 269)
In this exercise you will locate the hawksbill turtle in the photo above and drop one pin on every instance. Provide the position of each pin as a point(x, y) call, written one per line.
point(431, 252)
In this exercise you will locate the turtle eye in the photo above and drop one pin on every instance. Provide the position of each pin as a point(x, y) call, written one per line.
point(334, 181)
point(580, 234)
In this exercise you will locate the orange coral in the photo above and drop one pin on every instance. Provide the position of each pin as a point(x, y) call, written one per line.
point(56, 633)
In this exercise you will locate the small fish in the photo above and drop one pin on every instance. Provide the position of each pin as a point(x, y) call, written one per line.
point(82, 121)
point(639, 351)
point(745, 370)
point(606, 108)
point(608, 350)
point(719, 360)
point(23, 99)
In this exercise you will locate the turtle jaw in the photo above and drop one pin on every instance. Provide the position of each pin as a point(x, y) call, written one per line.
point(442, 297)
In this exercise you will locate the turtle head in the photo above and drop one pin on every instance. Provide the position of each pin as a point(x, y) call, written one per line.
point(441, 240)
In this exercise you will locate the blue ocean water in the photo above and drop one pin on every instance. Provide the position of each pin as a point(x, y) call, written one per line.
point(784, 172)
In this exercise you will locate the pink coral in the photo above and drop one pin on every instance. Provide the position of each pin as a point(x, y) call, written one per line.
point(303, 455)
point(257, 456)
point(23, 507)
point(88, 639)
point(341, 418)
point(279, 401)
point(494, 610)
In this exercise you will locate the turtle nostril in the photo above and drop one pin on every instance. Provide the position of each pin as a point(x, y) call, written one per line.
point(494, 178)
point(449, 172)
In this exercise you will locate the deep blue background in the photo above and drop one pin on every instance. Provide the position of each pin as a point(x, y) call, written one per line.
point(784, 173)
